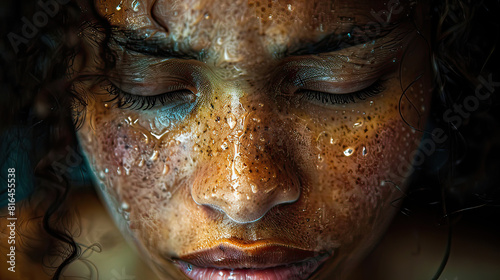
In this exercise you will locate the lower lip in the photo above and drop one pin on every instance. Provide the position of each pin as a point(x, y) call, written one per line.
point(298, 271)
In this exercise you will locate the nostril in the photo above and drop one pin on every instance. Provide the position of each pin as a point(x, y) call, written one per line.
point(244, 212)
point(246, 199)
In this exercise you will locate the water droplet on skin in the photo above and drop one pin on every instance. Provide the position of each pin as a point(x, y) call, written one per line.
point(129, 121)
point(154, 156)
point(206, 16)
point(89, 138)
point(141, 163)
point(358, 124)
point(124, 206)
point(146, 138)
point(160, 135)
point(118, 171)
point(231, 122)
point(289, 6)
point(165, 169)
point(106, 170)
point(119, 7)
point(254, 188)
point(371, 103)
point(364, 152)
point(219, 41)
point(348, 152)
point(102, 175)
point(135, 5)
point(226, 55)
point(126, 216)
point(224, 146)
point(168, 195)
point(320, 158)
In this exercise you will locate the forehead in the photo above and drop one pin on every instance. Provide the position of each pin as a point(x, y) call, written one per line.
point(208, 23)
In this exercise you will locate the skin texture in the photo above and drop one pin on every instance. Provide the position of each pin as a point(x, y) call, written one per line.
point(243, 156)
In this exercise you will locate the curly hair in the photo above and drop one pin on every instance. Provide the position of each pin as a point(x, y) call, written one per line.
point(38, 128)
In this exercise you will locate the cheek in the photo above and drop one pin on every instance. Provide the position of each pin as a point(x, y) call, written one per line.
point(138, 168)
point(363, 156)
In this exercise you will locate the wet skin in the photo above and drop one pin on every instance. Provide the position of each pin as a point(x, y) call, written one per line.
point(254, 138)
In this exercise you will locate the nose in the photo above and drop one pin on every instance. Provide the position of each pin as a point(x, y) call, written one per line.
point(250, 174)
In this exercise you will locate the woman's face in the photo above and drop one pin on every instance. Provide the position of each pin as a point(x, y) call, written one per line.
point(266, 140)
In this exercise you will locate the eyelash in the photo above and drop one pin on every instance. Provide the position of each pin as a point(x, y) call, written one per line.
point(124, 100)
point(329, 98)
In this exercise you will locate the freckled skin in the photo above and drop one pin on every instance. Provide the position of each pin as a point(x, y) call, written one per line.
point(247, 162)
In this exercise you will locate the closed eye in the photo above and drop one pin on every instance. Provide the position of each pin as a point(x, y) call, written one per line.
point(124, 100)
point(345, 98)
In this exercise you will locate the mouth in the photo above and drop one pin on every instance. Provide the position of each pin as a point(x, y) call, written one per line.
point(230, 260)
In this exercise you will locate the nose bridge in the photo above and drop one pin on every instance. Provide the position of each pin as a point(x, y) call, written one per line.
point(252, 173)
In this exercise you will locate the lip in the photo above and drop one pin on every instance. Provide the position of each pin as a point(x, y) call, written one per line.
point(258, 260)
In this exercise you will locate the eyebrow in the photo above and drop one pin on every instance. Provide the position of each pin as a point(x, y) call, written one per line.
point(134, 41)
point(357, 35)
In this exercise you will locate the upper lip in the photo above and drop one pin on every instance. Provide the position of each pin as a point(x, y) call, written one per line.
point(262, 254)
